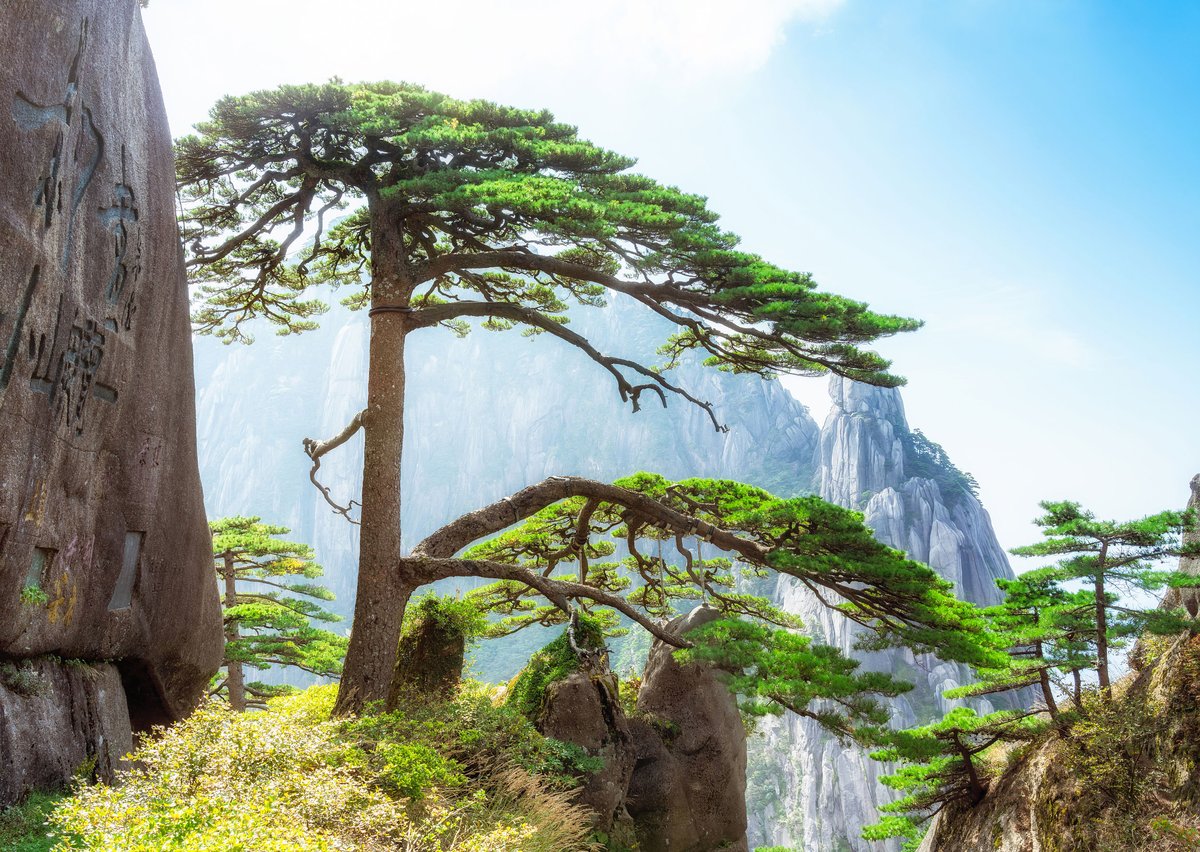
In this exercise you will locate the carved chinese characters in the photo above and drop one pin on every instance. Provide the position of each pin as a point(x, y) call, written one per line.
point(104, 551)
point(67, 356)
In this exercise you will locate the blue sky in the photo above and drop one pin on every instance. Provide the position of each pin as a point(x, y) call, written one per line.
point(1022, 175)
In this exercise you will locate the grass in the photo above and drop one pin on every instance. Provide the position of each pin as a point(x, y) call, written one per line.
point(463, 776)
point(23, 827)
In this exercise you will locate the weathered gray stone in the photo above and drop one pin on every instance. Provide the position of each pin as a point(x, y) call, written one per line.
point(58, 719)
point(809, 791)
point(688, 792)
point(104, 551)
point(585, 709)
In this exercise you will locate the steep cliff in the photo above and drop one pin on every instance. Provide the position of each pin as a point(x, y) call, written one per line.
point(104, 552)
point(806, 790)
point(1124, 779)
point(492, 413)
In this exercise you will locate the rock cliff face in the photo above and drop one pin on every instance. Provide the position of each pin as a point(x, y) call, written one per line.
point(674, 774)
point(493, 413)
point(688, 792)
point(57, 720)
point(806, 790)
point(104, 550)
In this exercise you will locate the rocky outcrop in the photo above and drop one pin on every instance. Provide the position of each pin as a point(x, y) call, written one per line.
point(104, 549)
point(429, 661)
point(1188, 598)
point(688, 792)
point(673, 775)
point(1126, 781)
point(807, 790)
point(585, 709)
point(59, 720)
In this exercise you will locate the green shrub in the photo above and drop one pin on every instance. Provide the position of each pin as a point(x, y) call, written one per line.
point(460, 616)
point(32, 595)
point(291, 778)
point(414, 769)
point(24, 828)
point(551, 664)
point(22, 678)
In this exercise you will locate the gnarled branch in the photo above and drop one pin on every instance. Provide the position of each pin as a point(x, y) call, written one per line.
point(558, 592)
point(315, 449)
point(629, 391)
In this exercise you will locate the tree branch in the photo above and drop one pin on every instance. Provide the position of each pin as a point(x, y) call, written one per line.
point(315, 449)
point(630, 392)
point(558, 592)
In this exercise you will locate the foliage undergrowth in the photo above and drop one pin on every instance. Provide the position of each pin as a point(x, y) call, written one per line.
point(462, 776)
point(23, 827)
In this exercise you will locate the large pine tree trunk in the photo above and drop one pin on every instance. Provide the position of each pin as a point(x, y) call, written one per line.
point(381, 597)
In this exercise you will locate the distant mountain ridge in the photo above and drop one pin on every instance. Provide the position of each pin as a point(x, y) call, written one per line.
point(807, 791)
point(495, 412)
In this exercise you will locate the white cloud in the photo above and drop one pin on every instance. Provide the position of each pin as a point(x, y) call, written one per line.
point(465, 47)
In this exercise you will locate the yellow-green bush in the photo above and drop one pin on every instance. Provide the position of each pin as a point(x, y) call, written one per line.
point(290, 778)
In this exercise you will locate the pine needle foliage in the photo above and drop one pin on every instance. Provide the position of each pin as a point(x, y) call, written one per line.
point(772, 669)
point(269, 609)
point(502, 203)
point(1048, 630)
point(698, 541)
point(1115, 558)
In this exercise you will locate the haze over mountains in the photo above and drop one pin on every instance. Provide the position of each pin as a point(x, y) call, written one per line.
point(495, 412)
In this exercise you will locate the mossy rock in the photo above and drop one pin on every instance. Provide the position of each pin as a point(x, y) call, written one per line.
point(557, 660)
point(429, 660)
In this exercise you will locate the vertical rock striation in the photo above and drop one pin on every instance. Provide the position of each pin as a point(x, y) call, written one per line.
point(807, 791)
point(104, 549)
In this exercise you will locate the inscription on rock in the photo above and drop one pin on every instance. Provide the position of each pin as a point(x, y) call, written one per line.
point(104, 547)
point(67, 357)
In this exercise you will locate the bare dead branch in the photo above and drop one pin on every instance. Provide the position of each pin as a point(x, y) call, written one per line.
point(315, 449)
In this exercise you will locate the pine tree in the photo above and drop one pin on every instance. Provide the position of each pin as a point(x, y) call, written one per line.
point(1112, 558)
point(1047, 631)
point(462, 210)
point(268, 613)
point(941, 763)
point(559, 560)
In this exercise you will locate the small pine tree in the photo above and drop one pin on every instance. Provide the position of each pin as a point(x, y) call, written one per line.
point(942, 764)
point(1112, 557)
point(1048, 633)
point(269, 624)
